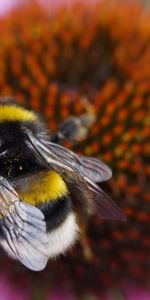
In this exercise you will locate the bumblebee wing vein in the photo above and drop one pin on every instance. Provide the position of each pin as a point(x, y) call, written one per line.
point(45, 155)
point(95, 169)
point(94, 198)
point(24, 228)
point(24, 251)
point(55, 154)
point(103, 204)
point(90, 167)
point(78, 180)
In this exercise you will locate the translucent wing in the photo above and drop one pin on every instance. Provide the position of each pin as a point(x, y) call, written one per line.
point(93, 168)
point(79, 185)
point(96, 200)
point(23, 228)
point(90, 167)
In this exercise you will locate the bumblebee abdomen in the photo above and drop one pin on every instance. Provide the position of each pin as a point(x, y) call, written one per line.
point(49, 193)
point(56, 212)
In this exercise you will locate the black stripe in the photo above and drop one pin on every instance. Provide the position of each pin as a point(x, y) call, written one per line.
point(55, 212)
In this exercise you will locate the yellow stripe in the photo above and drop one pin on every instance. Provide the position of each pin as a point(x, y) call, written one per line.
point(15, 113)
point(49, 187)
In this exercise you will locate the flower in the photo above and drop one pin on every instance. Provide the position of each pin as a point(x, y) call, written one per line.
point(53, 62)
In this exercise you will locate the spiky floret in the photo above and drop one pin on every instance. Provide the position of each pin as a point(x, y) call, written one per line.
point(102, 54)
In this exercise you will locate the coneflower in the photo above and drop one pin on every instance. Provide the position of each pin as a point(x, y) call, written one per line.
point(54, 62)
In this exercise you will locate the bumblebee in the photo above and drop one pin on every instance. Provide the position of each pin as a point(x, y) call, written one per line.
point(40, 183)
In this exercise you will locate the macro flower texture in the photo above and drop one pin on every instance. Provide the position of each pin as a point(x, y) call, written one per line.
point(60, 62)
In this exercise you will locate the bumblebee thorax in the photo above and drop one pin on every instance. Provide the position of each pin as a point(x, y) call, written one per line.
point(42, 187)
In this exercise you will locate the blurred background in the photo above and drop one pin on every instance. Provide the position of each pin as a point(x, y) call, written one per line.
point(55, 57)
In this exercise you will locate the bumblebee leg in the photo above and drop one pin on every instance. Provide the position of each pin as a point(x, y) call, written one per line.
point(87, 252)
point(74, 128)
point(85, 246)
